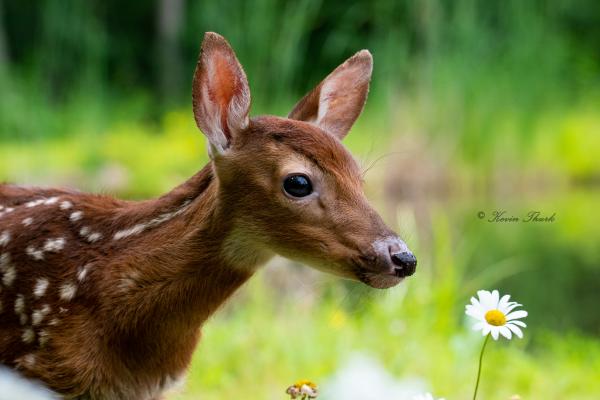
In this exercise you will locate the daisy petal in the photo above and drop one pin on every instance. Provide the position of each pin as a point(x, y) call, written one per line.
point(474, 312)
point(478, 326)
point(517, 331)
point(485, 298)
point(520, 323)
point(486, 329)
point(516, 315)
point(504, 331)
point(511, 306)
point(503, 303)
point(495, 298)
point(495, 333)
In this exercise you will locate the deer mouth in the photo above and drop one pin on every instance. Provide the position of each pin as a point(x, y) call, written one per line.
point(377, 280)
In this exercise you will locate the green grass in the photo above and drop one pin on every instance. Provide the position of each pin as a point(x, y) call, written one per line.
point(265, 341)
point(307, 326)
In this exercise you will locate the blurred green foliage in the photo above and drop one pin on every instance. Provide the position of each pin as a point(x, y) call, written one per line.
point(475, 106)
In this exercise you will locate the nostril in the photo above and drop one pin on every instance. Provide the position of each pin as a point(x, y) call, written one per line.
point(405, 262)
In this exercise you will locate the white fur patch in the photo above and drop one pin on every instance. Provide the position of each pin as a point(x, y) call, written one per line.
point(139, 228)
point(83, 272)
point(51, 200)
point(8, 270)
point(88, 235)
point(4, 238)
point(94, 237)
point(65, 205)
point(19, 304)
point(38, 315)
point(6, 211)
point(34, 253)
point(54, 245)
point(76, 216)
point(43, 337)
point(40, 287)
point(50, 246)
point(27, 221)
point(67, 291)
point(28, 335)
point(34, 203)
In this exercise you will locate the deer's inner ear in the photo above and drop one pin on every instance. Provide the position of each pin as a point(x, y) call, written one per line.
point(338, 100)
point(221, 95)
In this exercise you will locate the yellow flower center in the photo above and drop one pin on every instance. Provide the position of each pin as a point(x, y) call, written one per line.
point(495, 317)
point(306, 382)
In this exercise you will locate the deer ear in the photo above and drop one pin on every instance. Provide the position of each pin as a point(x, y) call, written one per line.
point(220, 93)
point(338, 100)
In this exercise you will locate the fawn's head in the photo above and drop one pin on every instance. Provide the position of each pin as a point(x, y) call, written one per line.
point(288, 184)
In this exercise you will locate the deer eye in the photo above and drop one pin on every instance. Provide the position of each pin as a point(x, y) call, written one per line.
point(297, 185)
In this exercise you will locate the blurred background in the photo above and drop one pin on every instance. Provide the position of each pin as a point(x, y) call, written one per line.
point(475, 107)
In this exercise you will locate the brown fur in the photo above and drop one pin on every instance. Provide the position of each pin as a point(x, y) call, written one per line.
point(134, 320)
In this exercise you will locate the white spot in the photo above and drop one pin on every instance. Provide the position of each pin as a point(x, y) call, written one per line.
point(19, 304)
point(88, 235)
point(135, 230)
point(94, 237)
point(62, 310)
point(38, 315)
point(67, 291)
point(54, 321)
point(34, 203)
point(139, 228)
point(28, 335)
point(4, 238)
point(23, 319)
point(83, 272)
point(27, 221)
point(9, 276)
point(76, 216)
point(43, 337)
point(40, 287)
point(51, 200)
point(9, 210)
point(34, 253)
point(9, 271)
point(65, 205)
point(29, 360)
point(54, 245)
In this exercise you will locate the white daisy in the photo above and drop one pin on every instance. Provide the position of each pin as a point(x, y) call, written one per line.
point(425, 396)
point(303, 389)
point(309, 391)
point(495, 315)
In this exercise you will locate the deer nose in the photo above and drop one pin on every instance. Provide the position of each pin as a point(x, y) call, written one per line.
point(405, 263)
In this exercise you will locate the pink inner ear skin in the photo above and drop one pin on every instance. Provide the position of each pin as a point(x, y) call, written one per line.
point(223, 88)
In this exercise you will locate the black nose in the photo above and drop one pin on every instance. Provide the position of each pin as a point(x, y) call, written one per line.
point(405, 262)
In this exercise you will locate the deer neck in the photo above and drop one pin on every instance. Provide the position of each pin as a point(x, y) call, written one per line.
point(179, 273)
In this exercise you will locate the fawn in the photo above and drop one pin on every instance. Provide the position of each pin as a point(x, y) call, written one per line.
point(104, 299)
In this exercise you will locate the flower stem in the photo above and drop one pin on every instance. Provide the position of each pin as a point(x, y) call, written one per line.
point(479, 369)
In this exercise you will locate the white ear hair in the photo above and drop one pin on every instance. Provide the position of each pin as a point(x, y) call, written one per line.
point(338, 100)
point(221, 96)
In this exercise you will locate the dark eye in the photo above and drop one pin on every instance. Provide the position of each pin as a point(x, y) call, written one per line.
point(297, 185)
